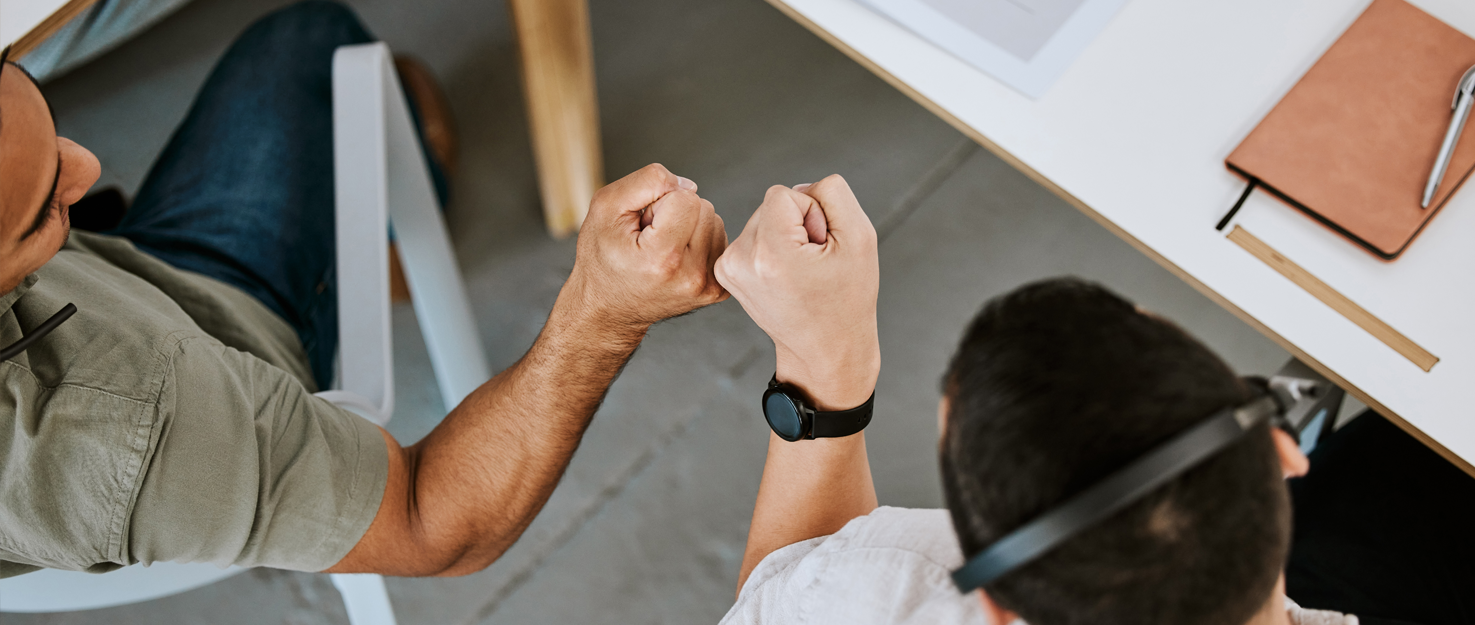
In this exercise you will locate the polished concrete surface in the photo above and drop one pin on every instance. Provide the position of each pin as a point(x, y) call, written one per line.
point(649, 523)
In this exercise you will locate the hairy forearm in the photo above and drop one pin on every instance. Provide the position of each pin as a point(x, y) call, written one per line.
point(812, 488)
point(455, 501)
point(479, 479)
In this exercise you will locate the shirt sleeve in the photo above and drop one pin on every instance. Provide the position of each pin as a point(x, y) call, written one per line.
point(252, 470)
point(773, 593)
point(1302, 616)
point(889, 567)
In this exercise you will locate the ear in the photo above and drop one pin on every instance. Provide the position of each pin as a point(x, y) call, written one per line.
point(942, 405)
point(1293, 463)
point(996, 615)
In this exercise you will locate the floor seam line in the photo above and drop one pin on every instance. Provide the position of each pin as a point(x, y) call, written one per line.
point(925, 187)
point(602, 499)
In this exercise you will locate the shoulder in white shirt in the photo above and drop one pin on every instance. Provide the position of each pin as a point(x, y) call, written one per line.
point(890, 567)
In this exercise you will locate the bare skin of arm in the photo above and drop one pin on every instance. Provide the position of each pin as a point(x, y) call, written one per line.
point(809, 488)
point(458, 499)
point(806, 270)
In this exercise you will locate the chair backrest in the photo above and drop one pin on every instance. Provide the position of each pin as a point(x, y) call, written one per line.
point(365, 364)
point(380, 177)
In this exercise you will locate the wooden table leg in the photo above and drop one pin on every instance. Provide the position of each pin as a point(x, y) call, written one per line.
point(563, 113)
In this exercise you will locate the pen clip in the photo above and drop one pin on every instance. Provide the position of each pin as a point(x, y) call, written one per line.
point(1466, 87)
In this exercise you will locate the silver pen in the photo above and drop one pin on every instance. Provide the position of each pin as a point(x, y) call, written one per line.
point(1464, 99)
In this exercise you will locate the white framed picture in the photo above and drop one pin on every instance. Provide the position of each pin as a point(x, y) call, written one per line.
point(1026, 44)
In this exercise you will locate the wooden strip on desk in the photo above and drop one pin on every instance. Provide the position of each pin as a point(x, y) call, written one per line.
point(47, 27)
point(1329, 296)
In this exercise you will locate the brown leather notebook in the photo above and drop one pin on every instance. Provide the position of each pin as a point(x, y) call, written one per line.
point(1353, 142)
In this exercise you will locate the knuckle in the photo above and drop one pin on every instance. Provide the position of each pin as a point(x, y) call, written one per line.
point(601, 196)
point(735, 281)
point(833, 187)
point(763, 270)
point(609, 259)
point(833, 181)
point(667, 265)
point(655, 173)
point(694, 283)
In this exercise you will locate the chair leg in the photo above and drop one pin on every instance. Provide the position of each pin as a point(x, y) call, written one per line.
point(563, 110)
point(365, 598)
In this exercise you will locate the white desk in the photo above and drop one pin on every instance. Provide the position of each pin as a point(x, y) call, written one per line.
point(26, 23)
point(1135, 134)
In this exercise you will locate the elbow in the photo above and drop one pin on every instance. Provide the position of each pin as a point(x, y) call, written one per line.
point(415, 534)
point(450, 535)
point(473, 559)
point(450, 559)
point(467, 550)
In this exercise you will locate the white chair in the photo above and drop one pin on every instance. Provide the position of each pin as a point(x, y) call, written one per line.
point(380, 178)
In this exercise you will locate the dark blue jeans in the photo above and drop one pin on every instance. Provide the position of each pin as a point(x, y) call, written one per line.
point(243, 192)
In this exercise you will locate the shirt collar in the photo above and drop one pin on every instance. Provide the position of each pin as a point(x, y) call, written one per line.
point(7, 300)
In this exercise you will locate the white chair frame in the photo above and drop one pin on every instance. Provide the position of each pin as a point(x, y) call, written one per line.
point(380, 178)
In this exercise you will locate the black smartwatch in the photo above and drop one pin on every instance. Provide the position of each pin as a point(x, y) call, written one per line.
point(792, 418)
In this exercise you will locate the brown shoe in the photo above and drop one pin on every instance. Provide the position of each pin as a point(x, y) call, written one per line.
point(399, 288)
point(435, 111)
point(440, 135)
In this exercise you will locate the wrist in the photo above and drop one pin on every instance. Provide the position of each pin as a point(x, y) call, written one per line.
point(838, 382)
point(586, 318)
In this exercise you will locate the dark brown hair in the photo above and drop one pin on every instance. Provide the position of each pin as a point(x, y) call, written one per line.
point(1061, 382)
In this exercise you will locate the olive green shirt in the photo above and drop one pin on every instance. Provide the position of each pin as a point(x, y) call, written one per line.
point(170, 419)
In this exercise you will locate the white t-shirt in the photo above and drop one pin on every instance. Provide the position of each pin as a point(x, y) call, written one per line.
point(890, 567)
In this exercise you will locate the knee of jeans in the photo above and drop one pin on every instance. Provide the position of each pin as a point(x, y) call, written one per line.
point(308, 23)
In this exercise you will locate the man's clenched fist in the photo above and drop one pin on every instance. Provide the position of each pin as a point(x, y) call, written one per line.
point(646, 252)
point(805, 269)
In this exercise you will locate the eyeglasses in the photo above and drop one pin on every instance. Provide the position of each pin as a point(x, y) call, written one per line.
point(14, 349)
point(66, 312)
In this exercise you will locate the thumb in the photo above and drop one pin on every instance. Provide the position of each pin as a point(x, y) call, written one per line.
point(674, 220)
point(629, 196)
point(789, 216)
point(842, 212)
point(815, 224)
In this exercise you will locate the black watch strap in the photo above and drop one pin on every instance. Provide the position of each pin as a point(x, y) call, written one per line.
point(838, 423)
point(843, 422)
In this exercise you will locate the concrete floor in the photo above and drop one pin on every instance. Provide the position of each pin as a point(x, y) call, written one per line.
point(649, 524)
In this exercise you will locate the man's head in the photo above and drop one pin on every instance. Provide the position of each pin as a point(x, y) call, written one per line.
point(41, 176)
point(1058, 384)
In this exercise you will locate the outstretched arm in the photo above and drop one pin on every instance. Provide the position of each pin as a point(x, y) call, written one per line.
point(806, 270)
point(458, 499)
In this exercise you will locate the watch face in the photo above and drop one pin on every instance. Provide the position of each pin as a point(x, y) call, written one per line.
point(783, 416)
